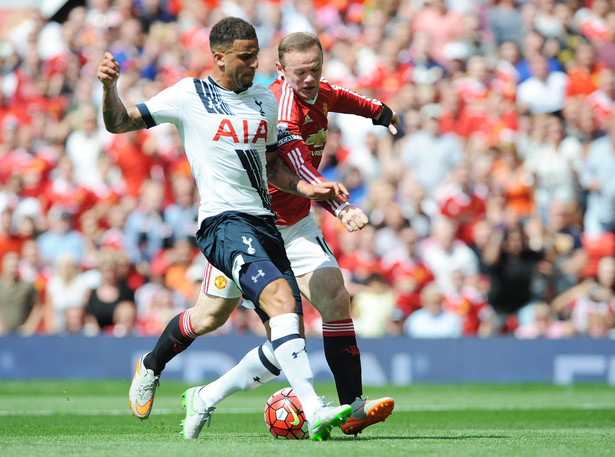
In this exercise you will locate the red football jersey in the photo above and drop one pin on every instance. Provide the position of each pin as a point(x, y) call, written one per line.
point(302, 134)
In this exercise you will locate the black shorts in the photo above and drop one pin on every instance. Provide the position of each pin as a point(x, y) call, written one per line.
point(233, 238)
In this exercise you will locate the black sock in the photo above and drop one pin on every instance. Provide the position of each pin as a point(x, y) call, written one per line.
point(344, 359)
point(175, 338)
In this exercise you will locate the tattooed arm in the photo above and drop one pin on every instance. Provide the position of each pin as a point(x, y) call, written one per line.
point(281, 177)
point(117, 118)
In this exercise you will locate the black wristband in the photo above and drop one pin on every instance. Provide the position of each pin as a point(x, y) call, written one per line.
point(385, 116)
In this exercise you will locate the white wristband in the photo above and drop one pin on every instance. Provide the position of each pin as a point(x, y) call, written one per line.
point(340, 208)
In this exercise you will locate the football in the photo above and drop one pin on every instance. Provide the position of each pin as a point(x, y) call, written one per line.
point(284, 416)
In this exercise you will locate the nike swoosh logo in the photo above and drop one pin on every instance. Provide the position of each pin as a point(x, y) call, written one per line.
point(142, 410)
point(192, 410)
point(317, 424)
point(295, 417)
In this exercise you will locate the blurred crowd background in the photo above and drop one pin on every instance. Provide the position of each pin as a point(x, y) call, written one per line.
point(492, 210)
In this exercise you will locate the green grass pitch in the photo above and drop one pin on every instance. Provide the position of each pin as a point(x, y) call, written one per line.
point(85, 418)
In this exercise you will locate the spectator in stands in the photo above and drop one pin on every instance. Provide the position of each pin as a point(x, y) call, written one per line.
point(442, 24)
point(31, 267)
point(61, 237)
point(180, 259)
point(505, 22)
point(65, 289)
point(358, 259)
point(544, 91)
point(429, 156)
point(564, 254)
point(543, 324)
point(592, 21)
point(408, 275)
point(584, 74)
point(601, 100)
point(461, 201)
point(597, 179)
point(432, 321)
point(388, 236)
point(465, 300)
point(533, 46)
point(512, 268)
point(110, 305)
point(84, 144)
point(605, 51)
point(371, 308)
point(145, 230)
point(20, 308)
point(594, 296)
point(181, 214)
point(443, 254)
point(555, 162)
point(9, 240)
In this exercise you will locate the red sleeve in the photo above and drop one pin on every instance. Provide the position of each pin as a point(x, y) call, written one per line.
point(294, 151)
point(349, 102)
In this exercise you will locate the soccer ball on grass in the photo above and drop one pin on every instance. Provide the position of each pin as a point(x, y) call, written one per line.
point(284, 416)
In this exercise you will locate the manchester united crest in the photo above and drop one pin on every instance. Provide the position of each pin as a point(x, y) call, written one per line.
point(220, 282)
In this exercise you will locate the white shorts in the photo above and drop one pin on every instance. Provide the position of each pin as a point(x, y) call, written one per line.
point(306, 250)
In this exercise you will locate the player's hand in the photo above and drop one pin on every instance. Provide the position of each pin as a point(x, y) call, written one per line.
point(353, 218)
point(394, 123)
point(323, 191)
point(108, 70)
point(388, 118)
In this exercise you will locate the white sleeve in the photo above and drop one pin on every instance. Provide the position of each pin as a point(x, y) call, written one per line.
point(164, 107)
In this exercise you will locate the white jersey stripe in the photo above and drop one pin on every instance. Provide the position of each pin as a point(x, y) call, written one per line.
point(302, 170)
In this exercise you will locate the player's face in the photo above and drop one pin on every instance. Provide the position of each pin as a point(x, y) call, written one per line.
point(302, 70)
point(240, 64)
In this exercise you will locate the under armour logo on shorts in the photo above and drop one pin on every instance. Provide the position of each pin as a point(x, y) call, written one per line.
point(251, 250)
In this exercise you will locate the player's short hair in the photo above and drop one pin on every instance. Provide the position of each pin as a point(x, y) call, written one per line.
point(297, 42)
point(229, 29)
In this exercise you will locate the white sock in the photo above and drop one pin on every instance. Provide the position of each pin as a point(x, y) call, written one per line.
point(291, 352)
point(256, 368)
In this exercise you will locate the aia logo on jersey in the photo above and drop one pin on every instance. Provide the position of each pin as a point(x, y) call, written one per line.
point(241, 133)
point(317, 139)
point(220, 282)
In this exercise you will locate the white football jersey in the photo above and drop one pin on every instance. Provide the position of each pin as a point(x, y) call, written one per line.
point(225, 135)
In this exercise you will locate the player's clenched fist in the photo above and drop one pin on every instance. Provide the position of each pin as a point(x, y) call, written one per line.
point(108, 70)
point(353, 218)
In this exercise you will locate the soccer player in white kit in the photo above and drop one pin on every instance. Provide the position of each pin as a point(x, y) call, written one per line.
point(227, 125)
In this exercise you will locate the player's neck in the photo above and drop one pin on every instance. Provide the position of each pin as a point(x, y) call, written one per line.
point(223, 82)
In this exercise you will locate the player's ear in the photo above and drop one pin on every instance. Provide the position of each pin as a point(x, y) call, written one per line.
point(279, 68)
point(219, 58)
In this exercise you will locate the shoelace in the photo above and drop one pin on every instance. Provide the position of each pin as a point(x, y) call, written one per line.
point(149, 388)
point(209, 411)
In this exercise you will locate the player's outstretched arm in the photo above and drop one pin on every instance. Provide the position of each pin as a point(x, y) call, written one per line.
point(117, 118)
point(281, 177)
point(388, 118)
point(353, 218)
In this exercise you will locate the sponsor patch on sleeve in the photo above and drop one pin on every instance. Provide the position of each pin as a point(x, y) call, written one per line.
point(285, 137)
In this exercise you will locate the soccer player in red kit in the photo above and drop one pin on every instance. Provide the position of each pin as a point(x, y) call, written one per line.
point(304, 100)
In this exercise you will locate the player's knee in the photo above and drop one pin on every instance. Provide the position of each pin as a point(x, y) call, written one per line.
point(210, 313)
point(337, 305)
point(277, 298)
